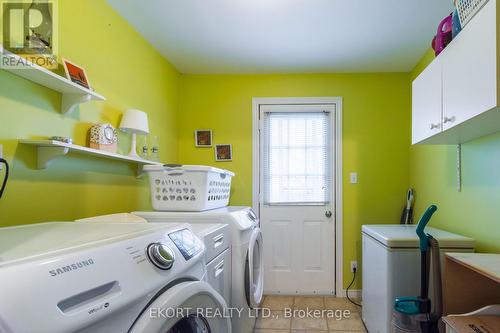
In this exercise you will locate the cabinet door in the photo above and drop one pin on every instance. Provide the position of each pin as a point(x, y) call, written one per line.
point(470, 69)
point(426, 102)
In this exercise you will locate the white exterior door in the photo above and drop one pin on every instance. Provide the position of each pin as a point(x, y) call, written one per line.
point(297, 198)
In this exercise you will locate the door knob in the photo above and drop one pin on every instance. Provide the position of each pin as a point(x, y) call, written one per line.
point(328, 213)
point(433, 126)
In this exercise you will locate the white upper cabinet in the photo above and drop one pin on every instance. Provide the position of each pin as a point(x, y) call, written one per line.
point(468, 70)
point(426, 103)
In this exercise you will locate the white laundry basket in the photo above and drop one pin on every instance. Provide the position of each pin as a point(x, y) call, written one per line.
point(467, 9)
point(190, 188)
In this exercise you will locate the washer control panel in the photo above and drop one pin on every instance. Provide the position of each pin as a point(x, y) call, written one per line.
point(161, 255)
point(188, 244)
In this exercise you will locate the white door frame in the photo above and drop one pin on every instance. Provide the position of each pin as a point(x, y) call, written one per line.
point(256, 102)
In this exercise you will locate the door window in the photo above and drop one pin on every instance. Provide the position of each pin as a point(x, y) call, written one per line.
point(296, 158)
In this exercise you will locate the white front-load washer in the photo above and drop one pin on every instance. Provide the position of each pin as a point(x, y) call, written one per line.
point(246, 252)
point(217, 240)
point(106, 277)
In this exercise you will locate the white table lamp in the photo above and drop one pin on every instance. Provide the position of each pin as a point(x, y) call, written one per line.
point(134, 122)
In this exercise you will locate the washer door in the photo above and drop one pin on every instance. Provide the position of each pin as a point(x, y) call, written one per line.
point(189, 307)
point(254, 270)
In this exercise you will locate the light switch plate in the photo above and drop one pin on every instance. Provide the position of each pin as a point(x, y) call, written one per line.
point(353, 177)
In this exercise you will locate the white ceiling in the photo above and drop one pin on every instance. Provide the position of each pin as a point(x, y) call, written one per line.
point(287, 36)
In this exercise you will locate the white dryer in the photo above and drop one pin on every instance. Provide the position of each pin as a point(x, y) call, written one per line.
point(246, 252)
point(109, 277)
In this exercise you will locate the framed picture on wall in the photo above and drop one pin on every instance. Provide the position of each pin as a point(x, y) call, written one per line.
point(223, 153)
point(203, 138)
point(76, 74)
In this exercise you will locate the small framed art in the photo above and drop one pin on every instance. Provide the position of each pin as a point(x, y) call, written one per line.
point(223, 153)
point(203, 138)
point(76, 74)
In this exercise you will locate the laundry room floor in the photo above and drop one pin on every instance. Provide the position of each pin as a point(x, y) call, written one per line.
point(278, 323)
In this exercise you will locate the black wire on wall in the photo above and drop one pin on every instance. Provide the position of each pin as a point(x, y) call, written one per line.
point(4, 183)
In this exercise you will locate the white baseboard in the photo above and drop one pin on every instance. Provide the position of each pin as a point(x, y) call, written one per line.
point(353, 293)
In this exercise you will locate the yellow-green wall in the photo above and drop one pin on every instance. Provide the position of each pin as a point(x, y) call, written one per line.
point(473, 211)
point(122, 66)
point(376, 136)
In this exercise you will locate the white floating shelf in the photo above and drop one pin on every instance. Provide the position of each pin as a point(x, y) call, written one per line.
point(72, 93)
point(47, 150)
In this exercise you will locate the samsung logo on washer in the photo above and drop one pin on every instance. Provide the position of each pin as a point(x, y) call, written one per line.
point(72, 267)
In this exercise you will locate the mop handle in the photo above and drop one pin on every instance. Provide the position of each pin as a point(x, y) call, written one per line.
point(424, 258)
point(424, 238)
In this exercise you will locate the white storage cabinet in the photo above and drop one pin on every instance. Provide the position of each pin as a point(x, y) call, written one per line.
point(427, 103)
point(456, 98)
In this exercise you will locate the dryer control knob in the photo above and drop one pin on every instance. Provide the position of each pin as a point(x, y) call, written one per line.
point(161, 255)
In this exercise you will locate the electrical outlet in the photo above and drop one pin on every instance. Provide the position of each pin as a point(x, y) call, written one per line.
point(354, 266)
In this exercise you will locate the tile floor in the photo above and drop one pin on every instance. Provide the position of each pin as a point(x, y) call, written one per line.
point(279, 322)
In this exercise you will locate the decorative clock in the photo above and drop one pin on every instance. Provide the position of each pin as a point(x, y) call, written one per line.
point(103, 137)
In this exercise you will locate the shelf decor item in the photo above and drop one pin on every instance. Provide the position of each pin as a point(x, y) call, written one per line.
point(144, 146)
point(103, 137)
point(134, 122)
point(155, 148)
point(203, 138)
point(76, 74)
point(223, 153)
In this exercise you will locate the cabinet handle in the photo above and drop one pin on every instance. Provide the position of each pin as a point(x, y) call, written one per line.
point(448, 119)
point(435, 126)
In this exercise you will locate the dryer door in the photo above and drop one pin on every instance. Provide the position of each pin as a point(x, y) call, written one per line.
point(189, 307)
point(254, 270)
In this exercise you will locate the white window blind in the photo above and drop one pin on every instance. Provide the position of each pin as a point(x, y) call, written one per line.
point(296, 158)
